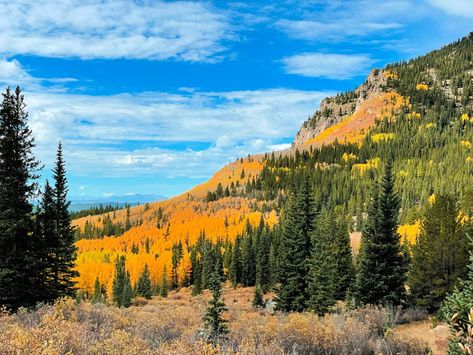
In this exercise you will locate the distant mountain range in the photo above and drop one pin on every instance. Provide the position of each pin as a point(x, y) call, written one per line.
point(85, 202)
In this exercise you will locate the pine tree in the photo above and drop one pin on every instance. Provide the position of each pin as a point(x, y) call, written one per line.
point(127, 292)
point(66, 249)
point(344, 268)
point(439, 258)
point(143, 287)
point(164, 283)
point(235, 266)
point(322, 269)
point(47, 242)
point(127, 220)
point(258, 301)
point(382, 267)
point(97, 295)
point(196, 273)
point(295, 247)
point(215, 325)
point(119, 281)
point(177, 254)
point(18, 172)
point(263, 267)
point(248, 260)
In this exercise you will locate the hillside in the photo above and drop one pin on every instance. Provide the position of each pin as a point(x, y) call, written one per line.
point(419, 113)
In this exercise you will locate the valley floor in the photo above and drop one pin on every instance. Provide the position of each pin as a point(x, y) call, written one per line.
point(174, 326)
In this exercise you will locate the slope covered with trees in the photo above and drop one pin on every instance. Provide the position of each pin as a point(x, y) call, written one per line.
point(397, 156)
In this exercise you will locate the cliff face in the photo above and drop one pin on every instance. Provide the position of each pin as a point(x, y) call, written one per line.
point(337, 108)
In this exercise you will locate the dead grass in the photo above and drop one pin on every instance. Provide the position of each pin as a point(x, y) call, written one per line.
point(173, 325)
point(436, 337)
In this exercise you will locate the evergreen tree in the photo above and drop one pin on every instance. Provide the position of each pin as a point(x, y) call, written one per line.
point(65, 249)
point(258, 301)
point(127, 220)
point(382, 267)
point(119, 281)
point(214, 323)
point(143, 286)
point(439, 258)
point(263, 266)
point(235, 266)
point(164, 283)
point(295, 247)
point(344, 268)
point(46, 246)
point(208, 263)
point(97, 295)
point(196, 273)
point(127, 292)
point(248, 260)
point(177, 254)
point(18, 171)
point(323, 267)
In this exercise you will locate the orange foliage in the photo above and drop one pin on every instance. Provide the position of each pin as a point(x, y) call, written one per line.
point(184, 220)
point(354, 127)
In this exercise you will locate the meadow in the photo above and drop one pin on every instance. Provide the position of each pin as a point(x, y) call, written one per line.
point(173, 325)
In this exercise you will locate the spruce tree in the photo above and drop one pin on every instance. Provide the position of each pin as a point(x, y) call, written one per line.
point(65, 249)
point(196, 273)
point(248, 261)
point(47, 242)
point(344, 268)
point(263, 266)
point(177, 254)
point(258, 301)
point(322, 269)
point(119, 281)
point(164, 283)
point(97, 295)
point(127, 292)
point(143, 287)
point(382, 267)
point(440, 256)
point(295, 247)
point(215, 325)
point(235, 266)
point(18, 171)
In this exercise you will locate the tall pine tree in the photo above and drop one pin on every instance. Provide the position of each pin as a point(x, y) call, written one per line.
point(18, 170)
point(382, 267)
point(440, 256)
point(65, 249)
point(295, 247)
point(322, 270)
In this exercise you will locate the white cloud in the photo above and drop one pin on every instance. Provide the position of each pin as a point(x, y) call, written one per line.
point(328, 31)
point(158, 30)
point(338, 20)
point(333, 66)
point(99, 132)
point(462, 8)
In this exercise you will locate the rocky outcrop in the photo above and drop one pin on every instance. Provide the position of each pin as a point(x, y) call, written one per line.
point(334, 109)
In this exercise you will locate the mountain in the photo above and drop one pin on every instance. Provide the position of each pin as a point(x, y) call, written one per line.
point(79, 203)
point(418, 113)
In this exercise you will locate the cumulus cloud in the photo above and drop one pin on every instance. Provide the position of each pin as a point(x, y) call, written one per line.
point(333, 66)
point(156, 30)
point(97, 130)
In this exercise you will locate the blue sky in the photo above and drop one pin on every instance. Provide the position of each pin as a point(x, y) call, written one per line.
point(154, 97)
